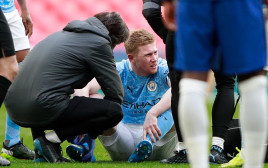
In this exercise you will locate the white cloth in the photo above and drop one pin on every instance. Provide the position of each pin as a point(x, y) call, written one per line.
point(122, 143)
point(21, 41)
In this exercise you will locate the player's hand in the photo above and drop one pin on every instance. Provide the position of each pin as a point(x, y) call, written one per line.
point(81, 92)
point(27, 22)
point(169, 15)
point(150, 127)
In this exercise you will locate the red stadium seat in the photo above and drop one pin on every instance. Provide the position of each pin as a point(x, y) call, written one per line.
point(50, 16)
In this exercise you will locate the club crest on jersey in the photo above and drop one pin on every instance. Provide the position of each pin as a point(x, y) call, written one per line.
point(151, 86)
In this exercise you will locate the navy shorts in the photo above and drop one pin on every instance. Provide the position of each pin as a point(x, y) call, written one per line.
point(6, 41)
point(233, 28)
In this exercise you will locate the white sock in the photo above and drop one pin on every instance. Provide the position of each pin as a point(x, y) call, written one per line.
point(181, 146)
point(253, 120)
point(218, 141)
point(52, 137)
point(108, 140)
point(194, 121)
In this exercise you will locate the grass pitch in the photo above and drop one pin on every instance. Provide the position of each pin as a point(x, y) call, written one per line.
point(103, 159)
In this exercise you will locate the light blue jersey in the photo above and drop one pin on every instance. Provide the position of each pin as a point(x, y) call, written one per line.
point(141, 93)
point(7, 5)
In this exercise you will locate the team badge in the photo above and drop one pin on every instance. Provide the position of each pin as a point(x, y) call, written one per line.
point(151, 86)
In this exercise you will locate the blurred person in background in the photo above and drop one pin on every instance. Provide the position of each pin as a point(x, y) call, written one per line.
point(234, 29)
point(21, 29)
point(8, 64)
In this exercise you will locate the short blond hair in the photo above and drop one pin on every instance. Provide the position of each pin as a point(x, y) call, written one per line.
point(138, 38)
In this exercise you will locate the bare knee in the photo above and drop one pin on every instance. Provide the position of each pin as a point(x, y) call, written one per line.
point(249, 75)
point(14, 69)
point(9, 67)
point(21, 54)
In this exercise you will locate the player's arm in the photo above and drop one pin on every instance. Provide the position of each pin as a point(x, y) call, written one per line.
point(102, 65)
point(26, 18)
point(150, 124)
point(152, 13)
point(90, 89)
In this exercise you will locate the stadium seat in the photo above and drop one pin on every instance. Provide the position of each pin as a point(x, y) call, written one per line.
point(50, 16)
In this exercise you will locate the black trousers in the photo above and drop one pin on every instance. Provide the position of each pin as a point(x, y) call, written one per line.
point(223, 106)
point(233, 140)
point(6, 41)
point(84, 116)
point(175, 78)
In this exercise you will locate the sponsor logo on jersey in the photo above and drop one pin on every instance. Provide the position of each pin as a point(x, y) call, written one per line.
point(141, 107)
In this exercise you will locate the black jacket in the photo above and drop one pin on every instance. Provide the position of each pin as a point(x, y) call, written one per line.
point(64, 61)
point(152, 13)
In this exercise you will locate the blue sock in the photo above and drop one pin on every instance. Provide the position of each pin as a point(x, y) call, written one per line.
point(89, 146)
point(12, 132)
point(86, 146)
point(165, 123)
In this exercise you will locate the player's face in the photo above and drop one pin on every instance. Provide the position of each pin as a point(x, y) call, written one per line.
point(146, 60)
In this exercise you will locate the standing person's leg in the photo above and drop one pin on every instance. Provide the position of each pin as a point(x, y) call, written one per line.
point(8, 64)
point(12, 146)
point(175, 76)
point(20, 39)
point(194, 119)
point(232, 139)
point(8, 71)
point(194, 52)
point(222, 113)
point(174, 80)
point(247, 63)
point(253, 93)
point(253, 115)
point(78, 119)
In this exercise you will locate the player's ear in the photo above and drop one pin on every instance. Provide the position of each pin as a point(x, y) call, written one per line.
point(130, 57)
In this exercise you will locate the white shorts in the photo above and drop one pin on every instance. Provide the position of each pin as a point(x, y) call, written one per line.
point(123, 142)
point(21, 41)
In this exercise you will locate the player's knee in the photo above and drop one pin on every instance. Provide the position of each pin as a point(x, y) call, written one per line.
point(117, 112)
point(9, 67)
point(247, 76)
point(13, 71)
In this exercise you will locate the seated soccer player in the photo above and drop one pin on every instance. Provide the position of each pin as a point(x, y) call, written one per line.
point(146, 131)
